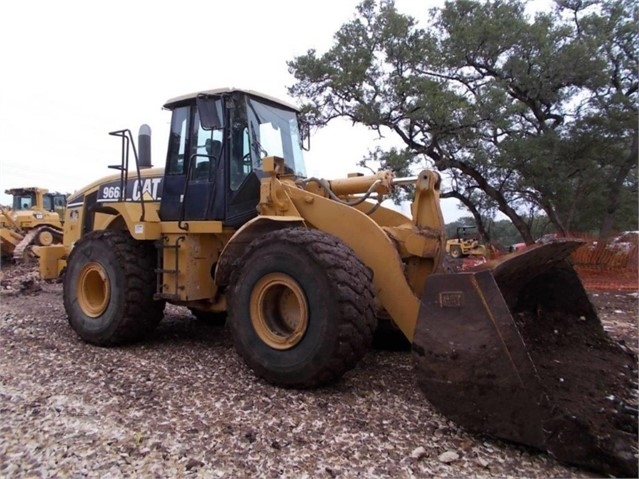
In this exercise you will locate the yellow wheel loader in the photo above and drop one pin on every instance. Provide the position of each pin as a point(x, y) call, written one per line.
point(306, 267)
point(31, 222)
point(465, 244)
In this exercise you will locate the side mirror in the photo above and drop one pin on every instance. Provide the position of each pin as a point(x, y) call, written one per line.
point(209, 116)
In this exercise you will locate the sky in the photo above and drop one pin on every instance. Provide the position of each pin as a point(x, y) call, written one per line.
point(74, 70)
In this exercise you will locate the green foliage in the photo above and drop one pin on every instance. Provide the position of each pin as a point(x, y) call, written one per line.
point(530, 116)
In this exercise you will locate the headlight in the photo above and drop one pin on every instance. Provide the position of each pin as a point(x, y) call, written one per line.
point(38, 216)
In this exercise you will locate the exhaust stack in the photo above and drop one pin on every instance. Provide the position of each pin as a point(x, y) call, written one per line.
point(144, 146)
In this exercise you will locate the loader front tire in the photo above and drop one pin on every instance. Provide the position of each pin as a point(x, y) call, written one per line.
point(301, 308)
point(456, 252)
point(108, 288)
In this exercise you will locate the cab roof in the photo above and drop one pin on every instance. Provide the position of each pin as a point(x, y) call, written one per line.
point(25, 189)
point(173, 102)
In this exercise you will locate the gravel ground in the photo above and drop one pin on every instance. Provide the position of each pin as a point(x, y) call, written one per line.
point(183, 404)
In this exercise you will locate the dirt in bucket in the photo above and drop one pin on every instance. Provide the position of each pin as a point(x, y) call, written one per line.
point(591, 382)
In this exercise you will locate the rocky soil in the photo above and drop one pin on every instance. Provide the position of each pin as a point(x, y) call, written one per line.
point(183, 404)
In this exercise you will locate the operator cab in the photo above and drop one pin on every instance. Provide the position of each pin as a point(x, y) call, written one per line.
point(23, 200)
point(467, 233)
point(54, 201)
point(217, 143)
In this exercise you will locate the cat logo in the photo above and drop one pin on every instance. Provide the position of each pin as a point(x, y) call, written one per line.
point(147, 189)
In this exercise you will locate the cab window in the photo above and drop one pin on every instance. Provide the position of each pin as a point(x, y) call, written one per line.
point(59, 201)
point(176, 162)
point(23, 202)
point(240, 165)
point(206, 151)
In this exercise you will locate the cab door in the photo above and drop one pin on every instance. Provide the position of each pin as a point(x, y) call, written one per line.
point(193, 159)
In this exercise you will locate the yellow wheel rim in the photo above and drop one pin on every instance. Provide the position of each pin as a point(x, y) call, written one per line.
point(279, 311)
point(45, 238)
point(93, 290)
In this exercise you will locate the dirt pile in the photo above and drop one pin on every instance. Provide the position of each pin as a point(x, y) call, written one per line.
point(20, 278)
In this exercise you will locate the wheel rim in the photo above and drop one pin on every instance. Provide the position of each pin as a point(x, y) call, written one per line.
point(279, 311)
point(45, 238)
point(93, 290)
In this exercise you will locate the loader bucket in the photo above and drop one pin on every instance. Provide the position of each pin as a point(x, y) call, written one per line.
point(518, 352)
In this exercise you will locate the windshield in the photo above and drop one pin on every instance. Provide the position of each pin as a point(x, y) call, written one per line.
point(274, 132)
point(24, 201)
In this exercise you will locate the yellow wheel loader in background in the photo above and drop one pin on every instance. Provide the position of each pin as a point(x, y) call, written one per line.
point(306, 266)
point(465, 244)
point(34, 219)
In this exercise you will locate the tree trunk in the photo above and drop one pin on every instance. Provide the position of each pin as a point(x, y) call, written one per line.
point(554, 218)
point(504, 207)
point(610, 214)
point(481, 229)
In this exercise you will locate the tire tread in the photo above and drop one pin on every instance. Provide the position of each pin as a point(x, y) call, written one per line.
point(140, 312)
point(354, 291)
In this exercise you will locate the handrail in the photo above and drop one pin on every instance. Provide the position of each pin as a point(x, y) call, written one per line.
point(127, 140)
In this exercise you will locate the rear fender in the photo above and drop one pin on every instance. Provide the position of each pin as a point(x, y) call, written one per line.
point(130, 213)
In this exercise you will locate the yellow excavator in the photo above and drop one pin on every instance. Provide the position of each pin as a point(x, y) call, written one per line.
point(307, 267)
point(33, 220)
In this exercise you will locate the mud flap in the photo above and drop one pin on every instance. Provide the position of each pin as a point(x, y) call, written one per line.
point(517, 351)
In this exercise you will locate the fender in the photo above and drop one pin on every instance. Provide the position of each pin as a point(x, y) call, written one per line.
point(255, 228)
point(130, 213)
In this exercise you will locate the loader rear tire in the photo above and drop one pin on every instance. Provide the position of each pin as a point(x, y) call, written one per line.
point(108, 288)
point(301, 308)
